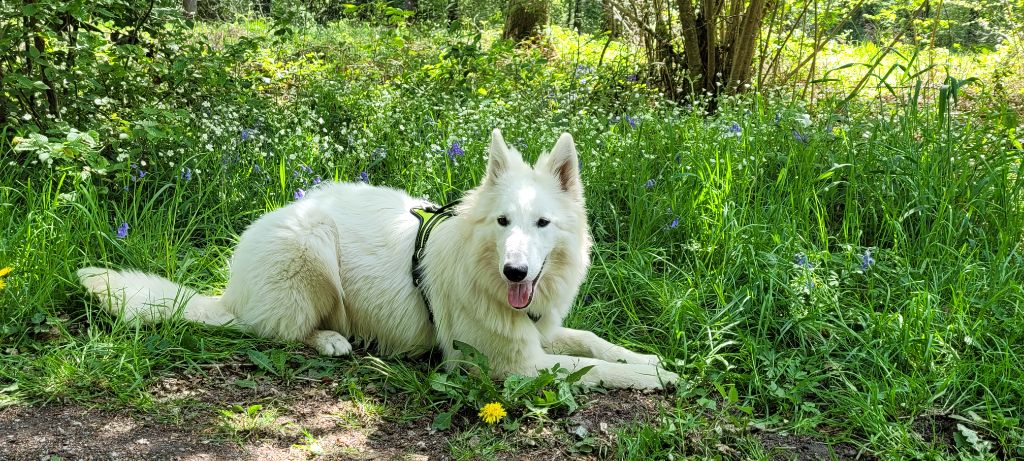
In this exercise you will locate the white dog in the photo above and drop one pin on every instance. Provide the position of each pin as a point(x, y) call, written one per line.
point(500, 274)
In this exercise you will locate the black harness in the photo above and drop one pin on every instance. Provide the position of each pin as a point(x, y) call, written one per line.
point(429, 218)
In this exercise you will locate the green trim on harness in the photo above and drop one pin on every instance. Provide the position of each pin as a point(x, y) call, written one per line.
point(429, 218)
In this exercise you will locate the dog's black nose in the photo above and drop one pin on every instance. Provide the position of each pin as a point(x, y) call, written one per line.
point(514, 273)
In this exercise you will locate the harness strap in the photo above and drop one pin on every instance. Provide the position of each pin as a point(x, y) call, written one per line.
point(429, 218)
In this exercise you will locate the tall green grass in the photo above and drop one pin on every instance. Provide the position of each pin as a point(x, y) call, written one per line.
point(736, 244)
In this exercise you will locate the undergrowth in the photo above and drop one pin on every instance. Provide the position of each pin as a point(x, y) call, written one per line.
point(835, 271)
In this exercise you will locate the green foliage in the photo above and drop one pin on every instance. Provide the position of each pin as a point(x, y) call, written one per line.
point(833, 269)
point(951, 23)
point(472, 387)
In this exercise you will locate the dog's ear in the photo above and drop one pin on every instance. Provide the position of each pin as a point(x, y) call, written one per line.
point(499, 158)
point(563, 163)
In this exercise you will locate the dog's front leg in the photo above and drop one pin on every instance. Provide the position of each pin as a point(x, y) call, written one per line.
point(587, 344)
point(607, 374)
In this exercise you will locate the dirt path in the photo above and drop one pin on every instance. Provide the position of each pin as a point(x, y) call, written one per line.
point(206, 418)
point(227, 414)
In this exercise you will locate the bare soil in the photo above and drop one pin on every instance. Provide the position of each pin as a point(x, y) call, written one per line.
point(210, 416)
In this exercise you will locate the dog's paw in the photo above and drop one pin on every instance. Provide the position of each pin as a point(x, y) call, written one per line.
point(656, 378)
point(328, 342)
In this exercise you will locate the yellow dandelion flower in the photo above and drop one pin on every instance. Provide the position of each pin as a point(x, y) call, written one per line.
point(492, 412)
point(3, 272)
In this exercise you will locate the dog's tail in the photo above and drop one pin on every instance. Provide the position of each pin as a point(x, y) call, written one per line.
point(136, 296)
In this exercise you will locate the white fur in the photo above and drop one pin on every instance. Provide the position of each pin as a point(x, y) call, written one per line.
point(337, 264)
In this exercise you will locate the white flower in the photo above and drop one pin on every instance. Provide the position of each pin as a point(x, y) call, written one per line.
point(26, 117)
point(804, 120)
point(122, 136)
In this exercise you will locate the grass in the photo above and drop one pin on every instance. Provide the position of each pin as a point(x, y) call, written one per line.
point(737, 244)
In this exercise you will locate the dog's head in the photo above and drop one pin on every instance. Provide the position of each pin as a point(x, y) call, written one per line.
point(534, 216)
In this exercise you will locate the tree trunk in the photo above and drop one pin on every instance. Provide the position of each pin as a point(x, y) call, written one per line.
point(453, 12)
point(611, 21)
point(525, 20)
point(575, 20)
point(263, 7)
point(743, 46)
point(190, 7)
point(691, 44)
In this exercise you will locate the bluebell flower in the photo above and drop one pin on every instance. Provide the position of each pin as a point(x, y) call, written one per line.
point(379, 153)
point(317, 180)
point(866, 260)
point(306, 169)
point(299, 193)
point(801, 260)
point(256, 168)
point(649, 184)
point(364, 176)
point(186, 173)
point(631, 78)
point(674, 224)
point(137, 173)
point(631, 121)
point(122, 230)
point(246, 133)
point(734, 130)
point(799, 137)
point(455, 151)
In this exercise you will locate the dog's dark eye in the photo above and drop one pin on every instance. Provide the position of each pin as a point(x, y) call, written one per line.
point(542, 222)
point(502, 221)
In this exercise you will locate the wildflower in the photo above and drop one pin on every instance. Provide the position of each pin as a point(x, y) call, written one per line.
point(649, 184)
point(674, 224)
point(799, 137)
point(734, 130)
point(306, 169)
point(455, 151)
point(3, 273)
point(364, 176)
point(801, 260)
point(804, 120)
point(379, 153)
point(122, 230)
point(317, 180)
point(492, 413)
point(137, 173)
point(631, 78)
point(246, 133)
point(866, 260)
point(631, 121)
point(186, 173)
point(299, 193)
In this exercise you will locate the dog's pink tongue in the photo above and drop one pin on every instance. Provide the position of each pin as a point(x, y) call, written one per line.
point(519, 294)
